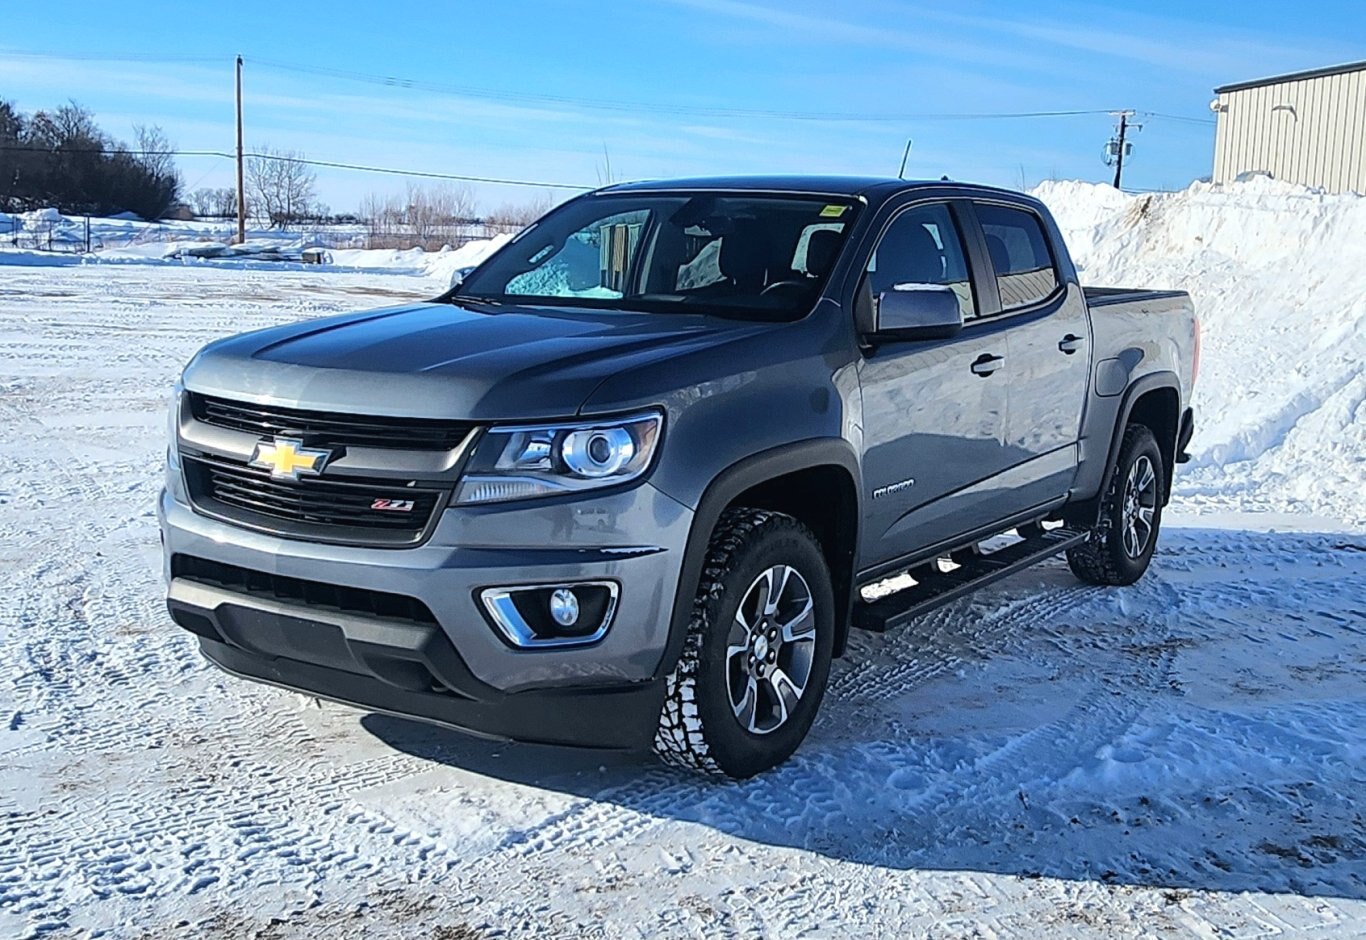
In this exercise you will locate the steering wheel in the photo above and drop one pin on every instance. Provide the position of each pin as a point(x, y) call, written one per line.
point(777, 285)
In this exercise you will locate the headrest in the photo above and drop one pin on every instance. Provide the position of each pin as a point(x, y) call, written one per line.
point(907, 255)
point(743, 256)
point(822, 247)
point(1000, 254)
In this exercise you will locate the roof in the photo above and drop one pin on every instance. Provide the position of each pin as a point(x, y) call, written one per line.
point(1293, 77)
point(850, 186)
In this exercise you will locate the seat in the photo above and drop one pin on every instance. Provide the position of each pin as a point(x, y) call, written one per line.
point(908, 255)
point(822, 248)
point(1000, 254)
point(743, 258)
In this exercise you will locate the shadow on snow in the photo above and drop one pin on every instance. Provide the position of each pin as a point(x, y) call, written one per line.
point(1203, 729)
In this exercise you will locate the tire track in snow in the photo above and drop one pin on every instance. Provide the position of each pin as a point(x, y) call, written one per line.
point(941, 641)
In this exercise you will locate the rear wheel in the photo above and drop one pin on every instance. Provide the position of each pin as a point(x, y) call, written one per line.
point(757, 656)
point(1121, 545)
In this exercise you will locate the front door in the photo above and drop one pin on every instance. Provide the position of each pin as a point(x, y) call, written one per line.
point(934, 412)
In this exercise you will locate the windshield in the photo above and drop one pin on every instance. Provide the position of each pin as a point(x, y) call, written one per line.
point(750, 255)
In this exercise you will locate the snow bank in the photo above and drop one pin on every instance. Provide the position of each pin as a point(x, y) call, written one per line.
point(1278, 275)
point(130, 240)
point(259, 253)
point(435, 264)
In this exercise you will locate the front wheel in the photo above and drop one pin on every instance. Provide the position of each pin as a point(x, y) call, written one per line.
point(1121, 545)
point(754, 665)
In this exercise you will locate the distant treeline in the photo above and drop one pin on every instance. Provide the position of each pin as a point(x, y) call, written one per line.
point(63, 159)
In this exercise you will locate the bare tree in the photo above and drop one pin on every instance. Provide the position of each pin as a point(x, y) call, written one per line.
point(214, 203)
point(605, 175)
point(154, 151)
point(425, 216)
point(433, 211)
point(515, 216)
point(280, 186)
point(379, 214)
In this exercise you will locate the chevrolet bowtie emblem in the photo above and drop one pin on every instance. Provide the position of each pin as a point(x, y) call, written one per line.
point(288, 459)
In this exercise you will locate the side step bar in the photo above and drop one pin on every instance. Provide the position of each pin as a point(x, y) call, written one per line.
point(934, 588)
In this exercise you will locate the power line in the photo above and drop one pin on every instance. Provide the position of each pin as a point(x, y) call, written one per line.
point(492, 94)
point(1179, 117)
point(281, 158)
point(163, 57)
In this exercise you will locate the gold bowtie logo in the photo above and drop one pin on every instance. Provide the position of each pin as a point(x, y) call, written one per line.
point(287, 459)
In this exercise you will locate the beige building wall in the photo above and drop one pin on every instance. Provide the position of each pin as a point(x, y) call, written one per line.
point(1308, 128)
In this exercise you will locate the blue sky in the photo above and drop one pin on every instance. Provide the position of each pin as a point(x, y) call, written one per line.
point(539, 90)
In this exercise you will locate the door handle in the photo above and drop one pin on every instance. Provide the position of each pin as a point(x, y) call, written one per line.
point(1070, 343)
point(985, 364)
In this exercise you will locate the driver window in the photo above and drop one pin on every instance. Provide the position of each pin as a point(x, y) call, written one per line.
point(922, 246)
point(593, 262)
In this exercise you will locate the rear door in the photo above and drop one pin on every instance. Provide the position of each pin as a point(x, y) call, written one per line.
point(1048, 336)
point(934, 429)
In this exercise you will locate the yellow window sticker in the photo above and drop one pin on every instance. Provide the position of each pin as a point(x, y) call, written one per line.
point(833, 212)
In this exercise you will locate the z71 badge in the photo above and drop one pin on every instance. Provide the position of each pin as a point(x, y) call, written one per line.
point(392, 505)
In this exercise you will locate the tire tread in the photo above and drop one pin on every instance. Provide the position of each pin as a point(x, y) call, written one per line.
point(680, 740)
point(1096, 561)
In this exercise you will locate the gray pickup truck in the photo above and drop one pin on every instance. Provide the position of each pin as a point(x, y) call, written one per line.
point(625, 484)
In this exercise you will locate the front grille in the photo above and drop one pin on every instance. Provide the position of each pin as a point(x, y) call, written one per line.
point(322, 509)
point(327, 429)
point(350, 600)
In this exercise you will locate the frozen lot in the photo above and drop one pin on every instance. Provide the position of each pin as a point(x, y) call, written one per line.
point(1184, 756)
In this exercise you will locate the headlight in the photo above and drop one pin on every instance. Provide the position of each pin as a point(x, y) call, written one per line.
point(545, 460)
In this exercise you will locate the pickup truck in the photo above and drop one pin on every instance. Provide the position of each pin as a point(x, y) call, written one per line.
point(627, 483)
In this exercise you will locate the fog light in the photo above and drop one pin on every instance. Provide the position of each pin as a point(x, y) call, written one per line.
point(538, 615)
point(564, 607)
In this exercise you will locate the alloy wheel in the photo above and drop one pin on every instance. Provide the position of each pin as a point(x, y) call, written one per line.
point(1139, 507)
point(770, 649)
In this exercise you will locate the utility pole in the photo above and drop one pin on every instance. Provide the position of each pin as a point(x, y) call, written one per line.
point(1119, 147)
point(1119, 160)
point(241, 188)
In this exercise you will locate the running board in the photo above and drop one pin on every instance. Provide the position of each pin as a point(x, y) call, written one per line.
point(934, 587)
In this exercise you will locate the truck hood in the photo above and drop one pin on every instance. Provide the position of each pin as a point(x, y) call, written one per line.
point(438, 360)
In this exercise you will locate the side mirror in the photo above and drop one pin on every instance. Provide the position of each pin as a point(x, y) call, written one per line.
point(458, 276)
point(918, 311)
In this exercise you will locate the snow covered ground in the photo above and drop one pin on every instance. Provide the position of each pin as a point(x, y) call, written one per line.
point(1186, 756)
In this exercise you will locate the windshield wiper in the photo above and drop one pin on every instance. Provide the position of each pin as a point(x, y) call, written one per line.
point(474, 298)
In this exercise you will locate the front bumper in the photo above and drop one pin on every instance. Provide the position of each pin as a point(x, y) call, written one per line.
point(453, 668)
point(402, 669)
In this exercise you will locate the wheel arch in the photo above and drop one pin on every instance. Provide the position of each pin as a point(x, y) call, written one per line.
point(1159, 410)
point(1155, 402)
point(815, 481)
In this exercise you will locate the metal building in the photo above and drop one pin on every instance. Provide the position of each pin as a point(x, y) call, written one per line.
point(1308, 128)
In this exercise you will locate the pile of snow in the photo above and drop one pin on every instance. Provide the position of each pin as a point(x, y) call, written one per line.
point(435, 264)
point(1278, 276)
point(135, 242)
point(117, 231)
point(126, 239)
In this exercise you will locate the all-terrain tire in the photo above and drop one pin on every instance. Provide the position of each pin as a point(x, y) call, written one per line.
point(699, 728)
point(1103, 558)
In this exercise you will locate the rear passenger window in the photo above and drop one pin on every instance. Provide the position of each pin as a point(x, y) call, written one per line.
point(1019, 252)
point(922, 246)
